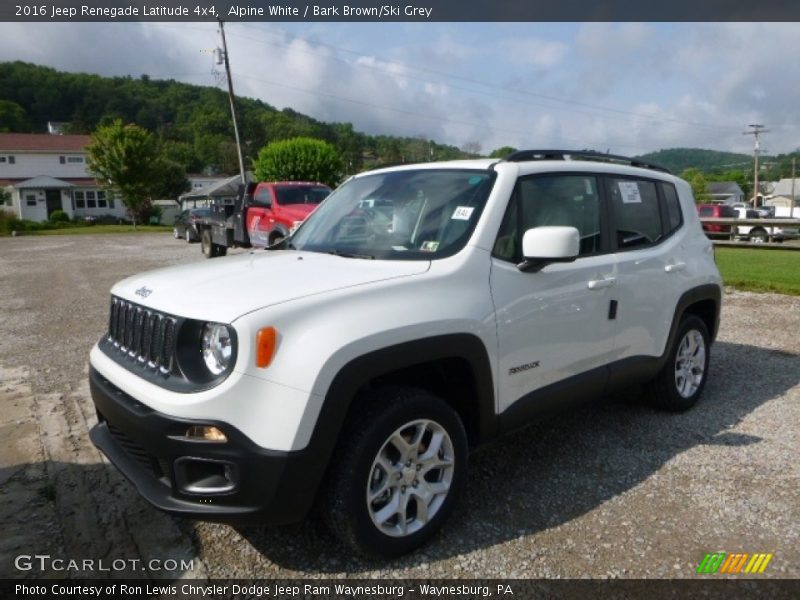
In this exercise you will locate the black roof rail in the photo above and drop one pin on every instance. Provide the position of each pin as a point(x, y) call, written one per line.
point(592, 155)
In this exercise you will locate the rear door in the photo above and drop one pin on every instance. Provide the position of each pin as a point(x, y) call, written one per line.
point(651, 262)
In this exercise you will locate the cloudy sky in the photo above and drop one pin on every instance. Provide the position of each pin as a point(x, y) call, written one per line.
point(628, 88)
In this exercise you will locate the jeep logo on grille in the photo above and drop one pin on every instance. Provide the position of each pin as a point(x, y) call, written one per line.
point(143, 291)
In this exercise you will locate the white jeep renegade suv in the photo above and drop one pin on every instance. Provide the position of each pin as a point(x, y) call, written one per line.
point(420, 311)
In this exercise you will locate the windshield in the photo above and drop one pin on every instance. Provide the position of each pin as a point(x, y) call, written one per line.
point(301, 194)
point(398, 215)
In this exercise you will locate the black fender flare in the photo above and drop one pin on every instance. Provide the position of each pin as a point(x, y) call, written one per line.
point(350, 378)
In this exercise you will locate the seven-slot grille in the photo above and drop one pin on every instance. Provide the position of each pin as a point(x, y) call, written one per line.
point(143, 334)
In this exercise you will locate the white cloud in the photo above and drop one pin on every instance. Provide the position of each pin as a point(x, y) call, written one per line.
point(534, 52)
point(663, 85)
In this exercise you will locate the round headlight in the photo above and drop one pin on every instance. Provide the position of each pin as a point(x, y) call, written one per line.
point(217, 347)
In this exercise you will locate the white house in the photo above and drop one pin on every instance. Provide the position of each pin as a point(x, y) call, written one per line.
point(45, 172)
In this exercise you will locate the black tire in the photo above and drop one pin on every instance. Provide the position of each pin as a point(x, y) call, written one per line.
point(666, 390)
point(206, 245)
point(353, 470)
point(758, 236)
point(219, 250)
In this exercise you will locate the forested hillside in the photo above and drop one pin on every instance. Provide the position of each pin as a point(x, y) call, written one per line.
point(193, 122)
point(679, 159)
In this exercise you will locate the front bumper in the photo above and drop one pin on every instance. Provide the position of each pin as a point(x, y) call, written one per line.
point(234, 482)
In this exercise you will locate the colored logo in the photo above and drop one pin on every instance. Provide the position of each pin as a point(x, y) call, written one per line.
point(742, 562)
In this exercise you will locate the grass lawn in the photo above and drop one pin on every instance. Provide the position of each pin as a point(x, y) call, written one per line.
point(760, 270)
point(101, 229)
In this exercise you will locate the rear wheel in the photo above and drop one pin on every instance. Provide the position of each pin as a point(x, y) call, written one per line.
point(679, 384)
point(759, 236)
point(206, 245)
point(397, 472)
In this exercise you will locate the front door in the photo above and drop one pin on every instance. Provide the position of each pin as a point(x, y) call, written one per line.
point(553, 325)
point(53, 198)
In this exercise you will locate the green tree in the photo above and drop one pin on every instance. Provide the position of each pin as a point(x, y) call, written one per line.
point(299, 159)
point(502, 152)
point(12, 117)
point(699, 184)
point(127, 159)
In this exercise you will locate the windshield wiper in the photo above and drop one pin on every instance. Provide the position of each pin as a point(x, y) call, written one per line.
point(350, 254)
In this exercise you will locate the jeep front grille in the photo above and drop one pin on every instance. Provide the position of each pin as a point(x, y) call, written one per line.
point(142, 334)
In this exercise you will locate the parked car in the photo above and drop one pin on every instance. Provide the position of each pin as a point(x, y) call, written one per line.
point(419, 312)
point(716, 211)
point(186, 224)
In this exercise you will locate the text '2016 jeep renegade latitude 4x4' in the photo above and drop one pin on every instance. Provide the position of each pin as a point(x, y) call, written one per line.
point(420, 311)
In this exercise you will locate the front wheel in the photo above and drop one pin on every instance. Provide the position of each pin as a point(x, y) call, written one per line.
point(397, 473)
point(681, 381)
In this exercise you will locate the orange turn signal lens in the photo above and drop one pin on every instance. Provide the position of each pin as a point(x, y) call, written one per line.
point(265, 346)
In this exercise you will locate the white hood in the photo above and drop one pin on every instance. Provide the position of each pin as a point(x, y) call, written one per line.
point(224, 289)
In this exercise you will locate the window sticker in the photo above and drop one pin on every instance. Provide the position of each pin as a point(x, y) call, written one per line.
point(429, 246)
point(463, 213)
point(630, 192)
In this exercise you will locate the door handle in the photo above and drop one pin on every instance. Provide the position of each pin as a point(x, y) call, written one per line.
point(673, 268)
point(597, 284)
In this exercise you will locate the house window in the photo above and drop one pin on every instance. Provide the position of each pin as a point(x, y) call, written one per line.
point(30, 199)
point(2, 159)
point(79, 200)
point(62, 159)
point(12, 160)
point(90, 200)
point(101, 200)
point(74, 159)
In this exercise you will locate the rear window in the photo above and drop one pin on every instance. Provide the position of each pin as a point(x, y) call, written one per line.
point(727, 212)
point(301, 194)
point(637, 213)
point(706, 211)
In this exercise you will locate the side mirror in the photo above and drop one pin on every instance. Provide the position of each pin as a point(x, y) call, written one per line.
point(549, 244)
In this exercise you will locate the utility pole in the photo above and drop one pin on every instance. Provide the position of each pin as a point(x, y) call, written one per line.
point(755, 131)
point(233, 102)
point(791, 202)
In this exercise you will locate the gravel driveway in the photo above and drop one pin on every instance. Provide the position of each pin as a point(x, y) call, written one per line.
point(612, 490)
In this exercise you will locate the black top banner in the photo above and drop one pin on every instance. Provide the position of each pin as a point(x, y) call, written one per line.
point(402, 10)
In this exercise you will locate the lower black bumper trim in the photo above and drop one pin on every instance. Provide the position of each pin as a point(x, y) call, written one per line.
point(271, 487)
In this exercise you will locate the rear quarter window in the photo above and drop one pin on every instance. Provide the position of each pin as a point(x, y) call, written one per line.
point(674, 218)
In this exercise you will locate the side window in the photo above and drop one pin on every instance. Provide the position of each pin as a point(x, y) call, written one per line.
point(564, 199)
point(637, 216)
point(262, 196)
point(673, 206)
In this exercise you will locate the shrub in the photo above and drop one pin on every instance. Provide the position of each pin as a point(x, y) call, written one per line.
point(59, 216)
point(299, 159)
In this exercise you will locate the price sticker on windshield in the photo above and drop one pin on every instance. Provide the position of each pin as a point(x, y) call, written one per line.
point(630, 192)
point(463, 213)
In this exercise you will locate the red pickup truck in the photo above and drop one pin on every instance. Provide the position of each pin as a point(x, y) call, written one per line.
point(261, 215)
point(279, 207)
